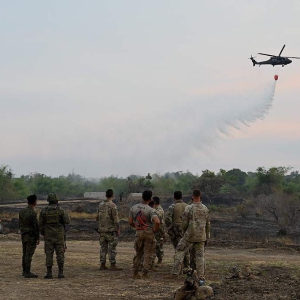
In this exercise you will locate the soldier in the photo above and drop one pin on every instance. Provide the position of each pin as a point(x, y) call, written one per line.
point(142, 217)
point(174, 222)
point(196, 223)
point(28, 225)
point(52, 221)
point(109, 230)
point(160, 236)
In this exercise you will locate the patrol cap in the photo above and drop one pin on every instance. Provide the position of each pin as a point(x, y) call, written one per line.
point(52, 198)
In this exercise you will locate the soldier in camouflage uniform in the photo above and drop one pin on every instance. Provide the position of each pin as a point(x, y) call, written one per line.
point(174, 222)
point(160, 236)
point(109, 230)
point(196, 224)
point(29, 228)
point(52, 222)
point(144, 219)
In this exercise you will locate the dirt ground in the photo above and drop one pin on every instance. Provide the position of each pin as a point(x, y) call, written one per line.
point(276, 272)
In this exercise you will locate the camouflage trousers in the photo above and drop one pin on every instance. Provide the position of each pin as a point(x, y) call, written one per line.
point(59, 248)
point(159, 247)
point(144, 246)
point(108, 244)
point(184, 247)
point(28, 247)
point(176, 234)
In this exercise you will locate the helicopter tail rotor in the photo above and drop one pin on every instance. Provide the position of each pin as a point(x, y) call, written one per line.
point(253, 60)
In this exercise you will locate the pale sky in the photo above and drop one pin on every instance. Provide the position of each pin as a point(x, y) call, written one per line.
point(131, 87)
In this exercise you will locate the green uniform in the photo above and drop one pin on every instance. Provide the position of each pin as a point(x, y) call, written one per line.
point(108, 224)
point(144, 245)
point(52, 222)
point(174, 222)
point(196, 223)
point(29, 228)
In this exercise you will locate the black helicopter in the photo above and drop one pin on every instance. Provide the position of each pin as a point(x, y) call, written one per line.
point(274, 60)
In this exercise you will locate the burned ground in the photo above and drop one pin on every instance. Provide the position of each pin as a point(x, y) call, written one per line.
point(276, 274)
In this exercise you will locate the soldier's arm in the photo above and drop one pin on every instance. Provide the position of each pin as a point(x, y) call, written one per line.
point(66, 218)
point(207, 227)
point(41, 222)
point(156, 221)
point(115, 216)
point(185, 218)
point(130, 219)
point(169, 216)
point(35, 226)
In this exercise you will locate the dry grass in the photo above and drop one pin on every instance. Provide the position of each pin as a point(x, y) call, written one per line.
point(82, 215)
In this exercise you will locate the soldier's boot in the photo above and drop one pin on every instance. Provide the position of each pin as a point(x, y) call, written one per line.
point(114, 267)
point(159, 262)
point(103, 267)
point(61, 272)
point(28, 274)
point(49, 273)
point(136, 275)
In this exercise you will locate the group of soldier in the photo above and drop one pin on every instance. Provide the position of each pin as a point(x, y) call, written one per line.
point(51, 225)
point(188, 227)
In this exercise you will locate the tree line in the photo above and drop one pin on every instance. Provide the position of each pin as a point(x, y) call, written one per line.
point(234, 182)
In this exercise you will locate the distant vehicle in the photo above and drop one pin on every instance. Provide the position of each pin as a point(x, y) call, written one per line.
point(274, 60)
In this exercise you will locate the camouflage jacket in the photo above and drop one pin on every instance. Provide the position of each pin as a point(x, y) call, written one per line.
point(161, 215)
point(196, 223)
point(52, 222)
point(174, 212)
point(107, 217)
point(28, 222)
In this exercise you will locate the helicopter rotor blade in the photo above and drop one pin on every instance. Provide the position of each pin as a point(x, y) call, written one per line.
point(281, 50)
point(266, 54)
point(292, 57)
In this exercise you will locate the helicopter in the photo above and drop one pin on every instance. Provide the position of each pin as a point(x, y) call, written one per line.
point(274, 60)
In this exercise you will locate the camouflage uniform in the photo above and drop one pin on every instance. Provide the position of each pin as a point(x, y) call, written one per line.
point(196, 222)
point(160, 235)
point(145, 242)
point(174, 222)
point(108, 224)
point(29, 228)
point(52, 222)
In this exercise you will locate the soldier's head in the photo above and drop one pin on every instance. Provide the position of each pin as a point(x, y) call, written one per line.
point(177, 195)
point(31, 200)
point(156, 200)
point(52, 198)
point(196, 195)
point(109, 193)
point(147, 195)
point(151, 203)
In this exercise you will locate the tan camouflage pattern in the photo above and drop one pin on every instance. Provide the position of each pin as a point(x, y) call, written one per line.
point(184, 247)
point(29, 228)
point(108, 244)
point(52, 220)
point(144, 246)
point(174, 222)
point(160, 236)
point(196, 223)
point(107, 216)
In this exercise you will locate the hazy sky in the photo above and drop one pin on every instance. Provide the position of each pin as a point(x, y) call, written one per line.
point(122, 87)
